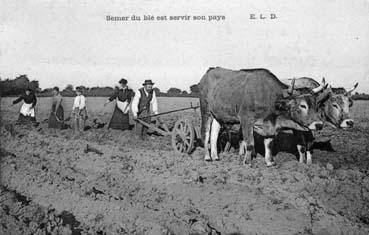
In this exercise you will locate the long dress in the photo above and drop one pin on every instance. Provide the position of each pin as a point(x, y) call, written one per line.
point(120, 120)
point(56, 118)
point(27, 112)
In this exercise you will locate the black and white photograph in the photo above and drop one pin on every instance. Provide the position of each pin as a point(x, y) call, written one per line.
point(198, 117)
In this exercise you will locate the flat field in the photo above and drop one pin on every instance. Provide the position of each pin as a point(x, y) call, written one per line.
point(51, 183)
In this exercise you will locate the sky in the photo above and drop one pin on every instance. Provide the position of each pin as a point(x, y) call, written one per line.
point(71, 42)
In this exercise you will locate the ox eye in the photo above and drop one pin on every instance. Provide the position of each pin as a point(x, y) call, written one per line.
point(335, 106)
point(303, 106)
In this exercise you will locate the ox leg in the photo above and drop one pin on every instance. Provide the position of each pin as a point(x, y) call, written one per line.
point(229, 134)
point(268, 152)
point(309, 157)
point(309, 150)
point(301, 138)
point(242, 150)
point(227, 147)
point(302, 151)
point(215, 128)
point(247, 130)
point(242, 147)
point(207, 138)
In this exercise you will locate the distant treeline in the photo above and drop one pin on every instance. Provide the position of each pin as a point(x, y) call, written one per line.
point(361, 96)
point(15, 87)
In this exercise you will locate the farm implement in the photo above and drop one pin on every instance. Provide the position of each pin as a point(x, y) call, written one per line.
point(184, 133)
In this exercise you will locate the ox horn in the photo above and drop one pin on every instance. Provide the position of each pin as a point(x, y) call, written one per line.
point(352, 89)
point(292, 87)
point(320, 87)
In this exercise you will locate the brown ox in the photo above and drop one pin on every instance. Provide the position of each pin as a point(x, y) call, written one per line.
point(248, 97)
point(335, 111)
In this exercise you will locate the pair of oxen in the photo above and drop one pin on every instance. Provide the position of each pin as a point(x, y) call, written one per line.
point(258, 101)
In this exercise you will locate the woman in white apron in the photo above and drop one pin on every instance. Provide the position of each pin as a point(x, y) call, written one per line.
point(123, 96)
point(27, 110)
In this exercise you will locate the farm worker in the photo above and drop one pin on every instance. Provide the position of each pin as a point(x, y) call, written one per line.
point(79, 111)
point(27, 110)
point(56, 118)
point(144, 97)
point(123, 96)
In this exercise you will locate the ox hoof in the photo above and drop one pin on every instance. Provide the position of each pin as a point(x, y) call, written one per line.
point(270, 164)
point(216, 159)
point(207, 158)
point(247, 164)
point(247, 159)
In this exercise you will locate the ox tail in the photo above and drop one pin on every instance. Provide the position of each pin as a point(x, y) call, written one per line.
point(205, 116)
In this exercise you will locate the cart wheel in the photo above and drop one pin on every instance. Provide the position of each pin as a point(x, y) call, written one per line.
point(183, 136)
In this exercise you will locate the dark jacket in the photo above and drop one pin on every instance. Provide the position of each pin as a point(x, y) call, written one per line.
point(144, 103)
point(28, 99)
point(123, 95)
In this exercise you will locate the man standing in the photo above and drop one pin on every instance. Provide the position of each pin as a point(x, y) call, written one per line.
point(79, 112)
point(142, 100)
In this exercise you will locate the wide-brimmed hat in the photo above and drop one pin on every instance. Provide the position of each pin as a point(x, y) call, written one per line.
point(148, 82)
point(123, 81)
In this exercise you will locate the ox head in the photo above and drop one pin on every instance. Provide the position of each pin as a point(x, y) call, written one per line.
point(303, 107)
point(337, 108)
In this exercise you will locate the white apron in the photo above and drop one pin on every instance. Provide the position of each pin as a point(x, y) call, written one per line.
point(123, 106)
point(27, 110)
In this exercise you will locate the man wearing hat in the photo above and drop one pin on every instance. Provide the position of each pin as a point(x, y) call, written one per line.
point(144, 98)
point(123, 96)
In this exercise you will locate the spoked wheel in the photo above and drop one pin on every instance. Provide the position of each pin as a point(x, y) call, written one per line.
point(183, 136)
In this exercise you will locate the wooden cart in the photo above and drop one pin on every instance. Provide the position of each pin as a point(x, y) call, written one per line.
point(184, 133)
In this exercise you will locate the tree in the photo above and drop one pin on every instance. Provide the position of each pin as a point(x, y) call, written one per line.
point(195, 89)
point(157, 91)
point(6, 87)
point(100, 91)
point(68, 91)
point(10, 87)
point(21, 82)
point(69, 87)
point(84, 89)
point(184, 93)
point(47, 90)
point(33, 85)
point(174, 91)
